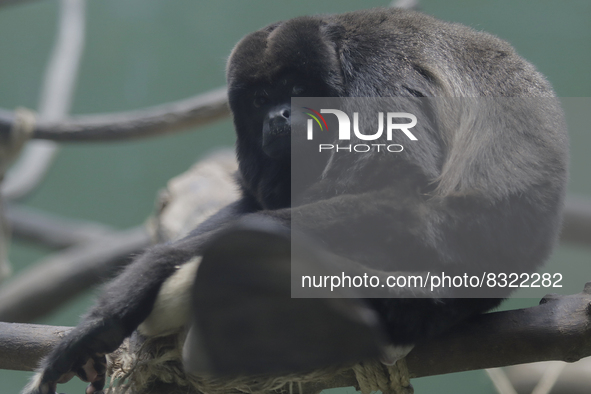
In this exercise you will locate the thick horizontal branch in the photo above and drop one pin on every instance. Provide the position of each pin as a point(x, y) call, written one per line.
point(52, 281)
point(191, 112)
point(558, 329)
point(23, 345)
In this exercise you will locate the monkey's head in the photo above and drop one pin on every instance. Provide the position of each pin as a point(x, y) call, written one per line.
point(265, 70)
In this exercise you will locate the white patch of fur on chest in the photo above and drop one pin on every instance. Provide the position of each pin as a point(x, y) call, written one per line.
point(171, 308)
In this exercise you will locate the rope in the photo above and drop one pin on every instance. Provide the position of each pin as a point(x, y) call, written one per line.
point(158, 360)
point(137, 369)
point(20, 132)
point(389, 379)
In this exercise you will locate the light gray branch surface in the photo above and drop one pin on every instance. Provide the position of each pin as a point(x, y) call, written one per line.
point(23, 345)
point(191, 112)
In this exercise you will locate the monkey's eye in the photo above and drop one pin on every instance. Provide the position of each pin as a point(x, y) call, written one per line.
point(297, 90)
point(259, 101)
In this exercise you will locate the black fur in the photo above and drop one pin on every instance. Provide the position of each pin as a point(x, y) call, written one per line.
point(468, 199)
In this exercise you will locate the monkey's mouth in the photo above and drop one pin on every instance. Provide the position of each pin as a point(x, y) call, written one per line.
point(277, 143)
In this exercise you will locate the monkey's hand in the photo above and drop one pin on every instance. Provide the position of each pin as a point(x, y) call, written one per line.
point(122, 306)
point(82, 354)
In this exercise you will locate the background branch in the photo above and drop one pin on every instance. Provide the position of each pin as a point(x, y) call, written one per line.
point(59, 277)
point(54, 102)
point(577, 221)
point(49, 230)
point(195, 111)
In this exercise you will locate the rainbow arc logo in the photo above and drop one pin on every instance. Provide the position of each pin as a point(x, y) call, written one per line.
point(315, 117)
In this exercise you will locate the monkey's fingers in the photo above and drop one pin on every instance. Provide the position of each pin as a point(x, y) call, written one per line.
point(54, 369)
point(62, 364)
point(94, 371)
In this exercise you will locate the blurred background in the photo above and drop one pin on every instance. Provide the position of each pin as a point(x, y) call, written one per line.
point(140, 53)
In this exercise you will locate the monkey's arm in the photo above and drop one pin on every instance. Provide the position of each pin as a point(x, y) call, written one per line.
point(123, 304)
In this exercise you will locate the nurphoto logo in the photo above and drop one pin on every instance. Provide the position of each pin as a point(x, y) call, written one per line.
point(344, 130)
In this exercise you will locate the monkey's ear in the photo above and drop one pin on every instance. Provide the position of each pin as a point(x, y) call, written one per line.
point(245, 321)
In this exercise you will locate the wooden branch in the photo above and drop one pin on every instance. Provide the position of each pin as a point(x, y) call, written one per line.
point(23, 345)
point(195, 195)
point(59, 277)
point(191, 112)
point(49, 230)
point(577, 221)
point(558, 329)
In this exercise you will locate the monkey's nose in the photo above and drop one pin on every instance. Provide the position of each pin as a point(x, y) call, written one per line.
point(280, 112)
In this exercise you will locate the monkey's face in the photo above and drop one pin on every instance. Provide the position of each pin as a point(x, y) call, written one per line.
point(272, 105)
point(269, 67)
point(265, 124)
point(265, 70)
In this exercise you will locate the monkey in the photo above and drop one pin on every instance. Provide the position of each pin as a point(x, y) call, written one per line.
point(481, 190)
